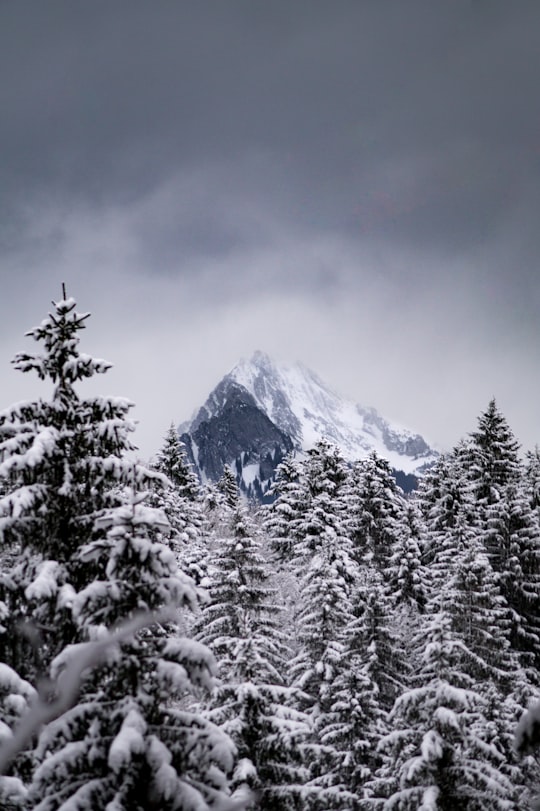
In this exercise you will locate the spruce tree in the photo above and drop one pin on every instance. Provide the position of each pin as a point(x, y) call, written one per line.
point(439, 755)
point(406, 571)
point(130, 744)
point(241, 625)
point(482, 618)
point(509, 526)
point(181, 501)
point(227, 486)
point(368, 676)
point(172, 461)
point(84, 564)
point(450, 743)
point(281, 517)
point(376, 508)
point(327, 572)
point(61, 459)
point(494, 455)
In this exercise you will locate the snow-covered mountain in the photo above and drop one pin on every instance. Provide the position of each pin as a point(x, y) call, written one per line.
point(260, 411)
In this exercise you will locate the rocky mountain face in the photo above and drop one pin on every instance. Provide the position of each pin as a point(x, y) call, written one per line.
point(260, 411)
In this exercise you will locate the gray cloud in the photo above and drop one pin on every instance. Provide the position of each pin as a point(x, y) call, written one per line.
point(353, 184)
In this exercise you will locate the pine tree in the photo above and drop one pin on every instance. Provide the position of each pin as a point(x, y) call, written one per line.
point(446, 500)
point(494, 455)
point(509, 527)
point(85, 563)
point(182, 503)
point(61, 459)
point(450, 743)
point(171, 460)
point(406, 572)
point(376, 512)
point(368, 676)
point(227, 486)
point(327, 573)
point(129, 744)
point(281, 517)
point(439, 756)
point(465, 585)
point(252, 703)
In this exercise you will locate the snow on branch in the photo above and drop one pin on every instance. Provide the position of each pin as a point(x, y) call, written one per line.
point(65, 688)
point(527, 737)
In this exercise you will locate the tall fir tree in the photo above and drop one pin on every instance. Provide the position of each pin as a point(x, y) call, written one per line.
point(438, 754)
point(84, 565)
point(509, 526)
point(377, 510)
point(60, 460)
point(282, 515)
point(327, 573)
point(182, 502)
point(130, 743)
point(241, 625)
point(494, 455)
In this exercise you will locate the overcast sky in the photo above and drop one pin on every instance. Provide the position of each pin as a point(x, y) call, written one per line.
point(351, 184)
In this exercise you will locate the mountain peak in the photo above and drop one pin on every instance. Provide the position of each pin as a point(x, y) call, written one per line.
point(289, 406)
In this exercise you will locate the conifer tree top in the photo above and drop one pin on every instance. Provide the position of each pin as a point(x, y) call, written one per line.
point(61, 362)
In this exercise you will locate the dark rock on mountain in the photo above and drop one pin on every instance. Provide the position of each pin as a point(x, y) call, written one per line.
point(237, 433)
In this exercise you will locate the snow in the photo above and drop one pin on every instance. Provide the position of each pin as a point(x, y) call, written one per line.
point(244, 771)
point(128, 742)
point(527, 737)
point(431, 746)
point(304, 407)
point(11, 682)
point(45, 584)
point(12, 790)
point(250, 473)
point(429, 799)
point(157, 753)
point(174, 675)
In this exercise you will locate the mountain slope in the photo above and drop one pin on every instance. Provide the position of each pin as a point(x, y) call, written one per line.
point(260, 411)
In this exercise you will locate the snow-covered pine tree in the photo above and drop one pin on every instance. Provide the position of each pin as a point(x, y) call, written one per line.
point(376, 508)
point(327, 574)
point(129, 744)
point(241, 626)
point(446, 500)
point(182, 503)
point(368, 676)
point(282, 515)
point(60, 460)
point(172, 461)
point(406, 571)
point(81, 564)
point(494, 460)
point(439, 754)
point(227, 486)
point(481, 615)
point(384, 638)
point(509, 526)
point(513, 529)
point(451, 742)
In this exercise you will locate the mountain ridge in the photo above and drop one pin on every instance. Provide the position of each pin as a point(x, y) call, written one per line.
point(260, 410)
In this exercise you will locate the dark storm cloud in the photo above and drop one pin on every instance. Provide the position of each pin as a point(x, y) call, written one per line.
point(412, 121)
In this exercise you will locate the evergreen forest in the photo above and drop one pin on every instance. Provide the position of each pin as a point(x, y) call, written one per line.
point(169, 646)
